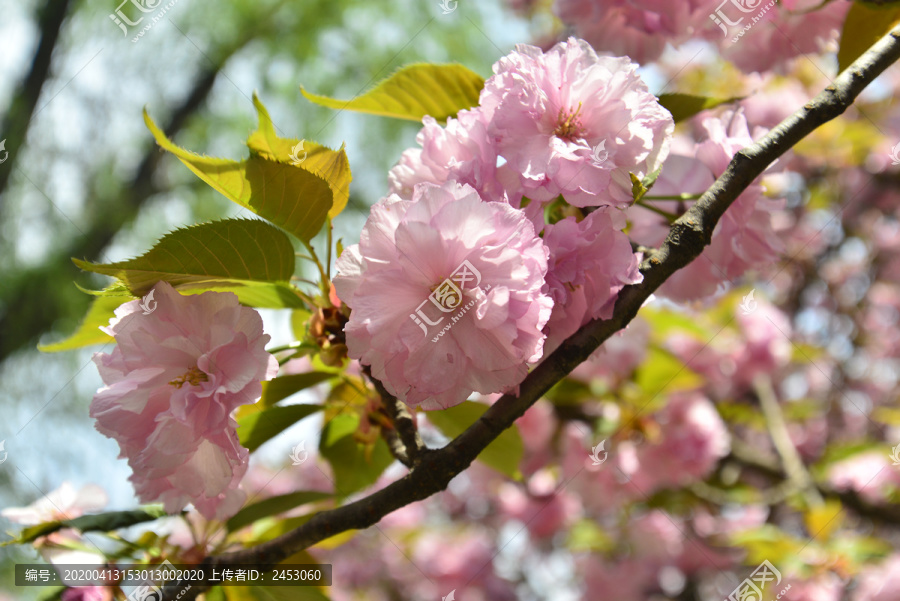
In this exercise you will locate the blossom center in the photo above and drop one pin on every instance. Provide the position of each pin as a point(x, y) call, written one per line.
point(193, 376)
point(568, 124)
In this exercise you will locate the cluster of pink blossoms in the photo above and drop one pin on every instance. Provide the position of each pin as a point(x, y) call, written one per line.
point(459, 278)
point(743, 237)
point(171, 384)
point(641, 29)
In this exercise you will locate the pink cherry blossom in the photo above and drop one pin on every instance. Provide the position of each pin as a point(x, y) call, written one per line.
point(542, 506)
point(870, 474)
point(590, 262)
point(573, 123)
point(635, 28)
point(742, 239)
point(172, 383)
point(462, 151)
point(430, 349)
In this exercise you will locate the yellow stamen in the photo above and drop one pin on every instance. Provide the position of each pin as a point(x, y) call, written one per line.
point(193, 376)
point(569, 126)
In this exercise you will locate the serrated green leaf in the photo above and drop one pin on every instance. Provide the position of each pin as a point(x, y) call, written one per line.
point(294, 199)
point(355, 467)
point(638, 189)
point(257, 425)
point(504, 454)
point(249, 257)
point(274, 506)
point(414, 91)
point(102, 309)
point(330, 165)
point(284, 386)
point(104, 522)
point(864, 25)
point(685, 106)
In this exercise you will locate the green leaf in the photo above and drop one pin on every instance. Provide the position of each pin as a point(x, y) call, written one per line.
point(414, 91)
point(685, 106)
point(283, 387)
point(246, 256)
point(102, 309)
point(662, 372)
point(274, 506)
point(504, 454)
point(294, 199)
point(865, 24)
point(257, 425)
point(355, 467)
point(104, 522)
point(330, 165)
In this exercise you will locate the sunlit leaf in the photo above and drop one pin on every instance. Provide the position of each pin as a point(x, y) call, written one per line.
point(355, 467)
point(330, 165)
point(685, 106)
point(103, 522)
point(274, 506)
point(864, 25)
point(249, 257)
point(504, 454)
point(413, 92)
point(285, 386)
point(257, 425)
point(822, 521)
point(294, 199)
point(102, 309)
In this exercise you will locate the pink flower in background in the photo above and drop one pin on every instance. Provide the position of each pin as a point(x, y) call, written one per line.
point(870, 474)
point(573, 123)
point(743, 237)
point(171, 384)
point(638, 29)
point(543, 506)
point(590, 262)
point(880, 582)
point(64, 503)
point(87, 593)
point(432, 343)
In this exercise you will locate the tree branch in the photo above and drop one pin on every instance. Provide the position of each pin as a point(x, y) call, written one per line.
point(686, 240)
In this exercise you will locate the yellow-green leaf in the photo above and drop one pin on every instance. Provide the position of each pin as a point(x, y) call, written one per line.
point(864, 25)
point(413, 92)
point(256, 425)
point(822, 521)
point(291, 198)
point(285, 386)
point(249, 257)
point(685, 106)
point(274, 506)
point(102, 309)
point(330, 165)
point(354, 465)
point(504, 454)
